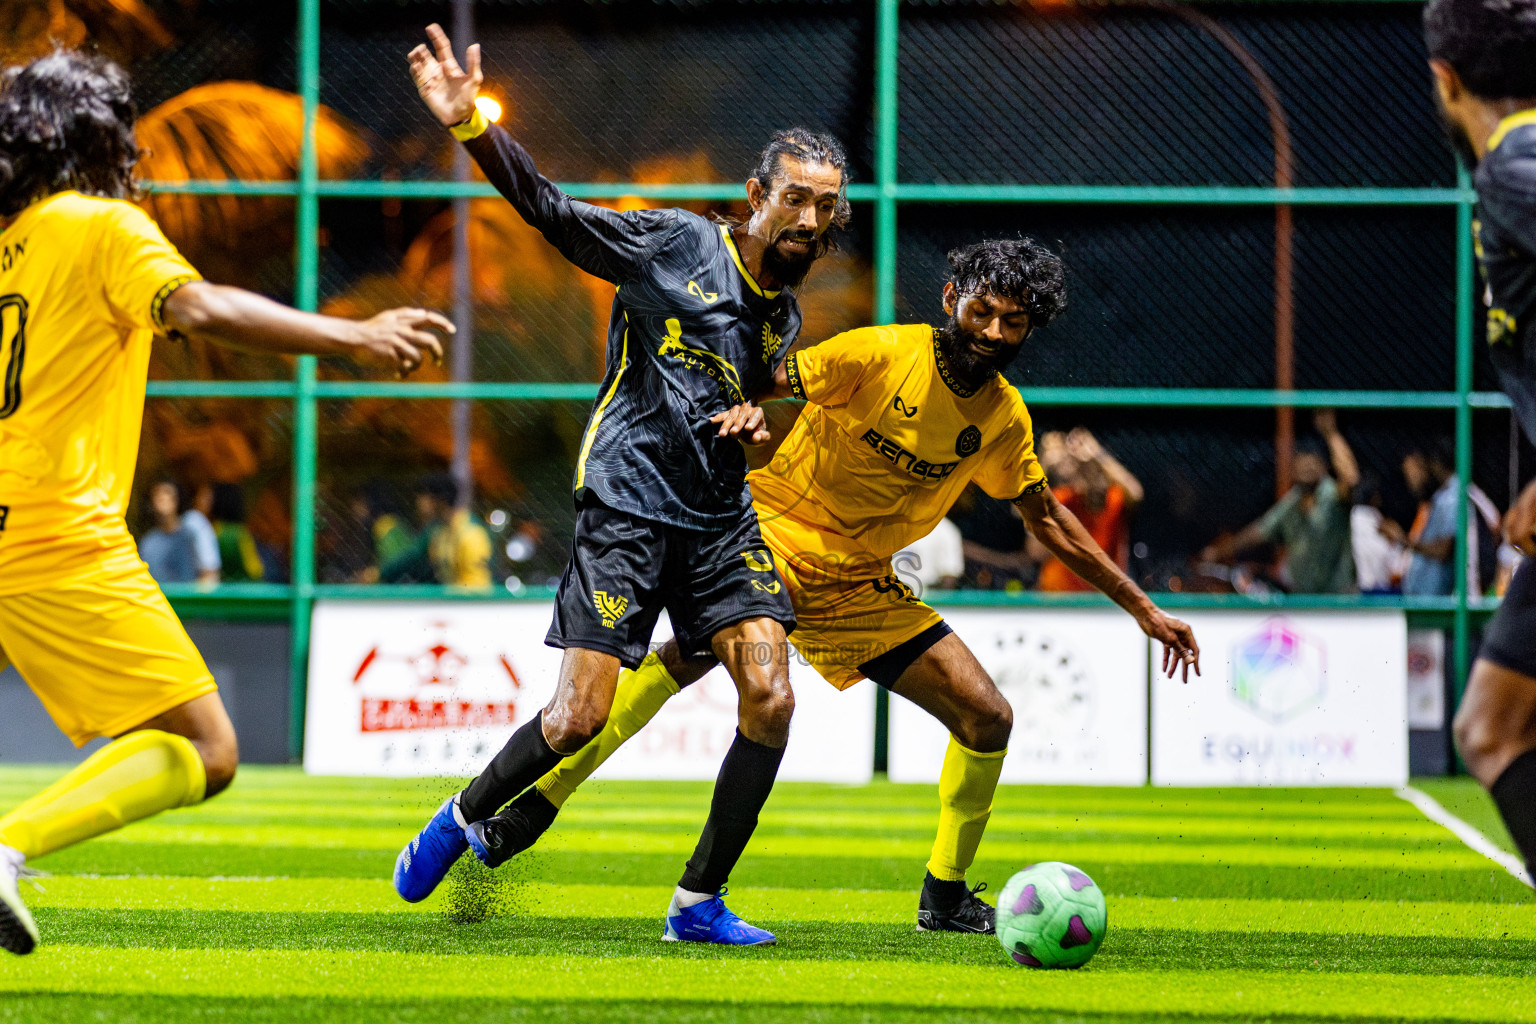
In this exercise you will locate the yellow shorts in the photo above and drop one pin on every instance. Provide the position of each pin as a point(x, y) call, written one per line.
point(104, 655)
point(844, 620)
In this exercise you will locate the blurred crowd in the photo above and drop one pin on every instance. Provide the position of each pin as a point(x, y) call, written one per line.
point(1327, 534)
point(199, 535)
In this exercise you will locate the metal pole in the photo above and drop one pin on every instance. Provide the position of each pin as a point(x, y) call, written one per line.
point(1464, 312)
point(887, 60)
point(305, 429)
point(462, 360)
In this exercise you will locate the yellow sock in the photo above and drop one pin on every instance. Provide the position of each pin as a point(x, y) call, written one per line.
point(141, 774)
point(966, 784)
point(640, 694)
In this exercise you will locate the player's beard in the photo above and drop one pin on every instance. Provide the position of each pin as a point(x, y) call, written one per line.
point(1461, 142)
point(970, 367)
point(789, 269)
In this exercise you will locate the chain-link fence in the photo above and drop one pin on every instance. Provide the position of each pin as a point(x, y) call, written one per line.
point(1249, 198)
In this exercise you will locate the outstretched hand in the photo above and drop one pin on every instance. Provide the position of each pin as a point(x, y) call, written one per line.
point(399, 340)
point(744, 422)
point(1178, 640)
point(448, 90)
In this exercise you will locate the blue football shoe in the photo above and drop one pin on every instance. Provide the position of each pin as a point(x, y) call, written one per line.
point(711, 921)
point(426, 859)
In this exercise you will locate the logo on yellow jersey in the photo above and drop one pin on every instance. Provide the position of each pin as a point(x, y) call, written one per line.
point(969, 441)
point(902, 407)
point(13, 352)
point(610, 606)
point(908, 461)
point(707, 363)
point(5, 513)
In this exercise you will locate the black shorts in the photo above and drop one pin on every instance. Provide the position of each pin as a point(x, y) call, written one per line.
point(624, 570)
point(1510, 639)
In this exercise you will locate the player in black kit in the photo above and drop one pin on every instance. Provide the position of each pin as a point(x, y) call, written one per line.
point(1483, 58)
point(702, 317)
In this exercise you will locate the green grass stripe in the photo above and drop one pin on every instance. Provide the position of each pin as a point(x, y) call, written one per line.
point(1486, 883)
point(597, 938)
point(1449, 854)
point(755, 977)
point(916, 825)
point(348, 895)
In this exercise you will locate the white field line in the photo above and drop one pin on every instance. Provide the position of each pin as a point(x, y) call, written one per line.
point(1465, 832)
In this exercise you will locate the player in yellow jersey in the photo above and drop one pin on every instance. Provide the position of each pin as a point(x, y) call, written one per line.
point(895, 422)
point(86, 281)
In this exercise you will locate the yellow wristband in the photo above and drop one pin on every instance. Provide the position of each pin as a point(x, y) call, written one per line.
point(476, 126)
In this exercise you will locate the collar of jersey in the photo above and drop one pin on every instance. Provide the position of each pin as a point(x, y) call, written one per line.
point(1519, 119)
point(730, 243)
point(944, 371)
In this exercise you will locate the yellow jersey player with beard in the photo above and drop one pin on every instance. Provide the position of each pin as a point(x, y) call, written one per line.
point(895, 422)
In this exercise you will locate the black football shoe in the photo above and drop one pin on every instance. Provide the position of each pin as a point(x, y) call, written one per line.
point(951, 907)
point(512, 830)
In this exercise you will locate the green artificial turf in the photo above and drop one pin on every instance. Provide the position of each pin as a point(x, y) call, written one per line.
point(273, 903)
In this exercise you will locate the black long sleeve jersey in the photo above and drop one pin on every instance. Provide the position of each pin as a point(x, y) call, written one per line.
point(1505, 233)
point(691, 334)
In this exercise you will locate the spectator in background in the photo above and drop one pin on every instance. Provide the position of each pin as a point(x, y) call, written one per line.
point(1312, 520)
point(453, 547)
point(165, 547)
point(206, 560)
point(240, 561)
point(1430, 474)
point(935, 562)
point(1100, 492)
point(1379, 560)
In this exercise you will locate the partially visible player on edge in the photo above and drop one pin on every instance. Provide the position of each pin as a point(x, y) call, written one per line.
point(86, 281)
point(1483, 59)
point(897, 421)
point(703, 313)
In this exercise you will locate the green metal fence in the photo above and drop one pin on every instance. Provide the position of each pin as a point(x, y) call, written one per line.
point(888, 196)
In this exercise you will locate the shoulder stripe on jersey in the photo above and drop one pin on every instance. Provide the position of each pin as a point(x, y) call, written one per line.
point(597, 416)
point(730, 244)
point(1519, 119)
point(792, 371)
point(157, 304)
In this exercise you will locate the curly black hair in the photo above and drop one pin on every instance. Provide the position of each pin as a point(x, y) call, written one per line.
point(1014, 268)
point(66, 122)
point(1490, 43)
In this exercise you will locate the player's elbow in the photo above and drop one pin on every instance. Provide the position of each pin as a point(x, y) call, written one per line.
point(196, 308)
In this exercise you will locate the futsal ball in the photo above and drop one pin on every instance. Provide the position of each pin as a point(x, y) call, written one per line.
point(1051, 915)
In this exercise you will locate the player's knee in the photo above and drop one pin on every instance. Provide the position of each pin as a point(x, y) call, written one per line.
point(221, 759)
point(988, 726)
point(766, 711)
point(568, 732)
point(1479, 735)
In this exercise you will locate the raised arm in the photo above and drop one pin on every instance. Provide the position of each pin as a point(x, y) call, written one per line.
point(1346, 472)
point(398, 340)
point(1054, 526)
point(602, 242)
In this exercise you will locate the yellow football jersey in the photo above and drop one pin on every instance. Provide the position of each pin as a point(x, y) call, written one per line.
point(82, 281)
point(883, 448)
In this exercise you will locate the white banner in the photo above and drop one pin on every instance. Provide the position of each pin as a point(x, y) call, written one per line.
point(1077, 682)
point(428, 688)
point(1303, 699)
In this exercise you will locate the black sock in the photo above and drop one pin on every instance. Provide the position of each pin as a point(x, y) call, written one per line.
point(1515, 794)
point(519, 765)
point(746, 779)
point(945, 893)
